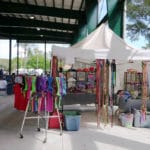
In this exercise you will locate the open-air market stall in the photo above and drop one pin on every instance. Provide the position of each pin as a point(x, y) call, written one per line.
point(100, 45)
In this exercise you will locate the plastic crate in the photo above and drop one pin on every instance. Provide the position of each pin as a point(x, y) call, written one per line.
point(126, 120)
point(72, 120)
point(139, 120)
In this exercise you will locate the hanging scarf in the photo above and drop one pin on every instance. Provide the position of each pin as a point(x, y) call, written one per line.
point(63, 86)
point(107, 90)
point(113, 73)
point(113, 83)
point(99, 88)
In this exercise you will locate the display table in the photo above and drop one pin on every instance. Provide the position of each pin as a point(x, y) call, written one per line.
point(79, 101)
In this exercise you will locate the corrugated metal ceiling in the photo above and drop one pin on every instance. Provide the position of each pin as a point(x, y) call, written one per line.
point(59, 16)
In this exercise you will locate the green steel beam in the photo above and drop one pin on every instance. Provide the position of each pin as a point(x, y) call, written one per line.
point(90, 23)
point(92, 14)
point(115, 10)
point(80, 34)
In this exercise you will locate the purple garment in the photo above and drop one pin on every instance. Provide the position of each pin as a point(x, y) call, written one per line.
point(41, 84)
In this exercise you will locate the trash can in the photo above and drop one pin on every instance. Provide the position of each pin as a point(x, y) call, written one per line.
point(72, 120)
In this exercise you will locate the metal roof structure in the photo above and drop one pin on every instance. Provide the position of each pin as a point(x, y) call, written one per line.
point(41, 20)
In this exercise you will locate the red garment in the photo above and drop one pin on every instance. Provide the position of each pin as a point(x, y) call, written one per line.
point(19, 101)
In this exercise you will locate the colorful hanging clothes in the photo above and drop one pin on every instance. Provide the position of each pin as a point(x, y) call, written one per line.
point(39, 91)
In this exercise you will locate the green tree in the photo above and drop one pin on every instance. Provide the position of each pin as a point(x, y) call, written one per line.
point(138, 15)
point(33, 58)
point(36, 59)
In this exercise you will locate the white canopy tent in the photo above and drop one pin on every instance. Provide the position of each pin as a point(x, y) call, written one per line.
point(70, 54)
point(102, 43)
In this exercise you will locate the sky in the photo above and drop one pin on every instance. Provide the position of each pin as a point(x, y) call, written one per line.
point(137, 44)
point(4, 48)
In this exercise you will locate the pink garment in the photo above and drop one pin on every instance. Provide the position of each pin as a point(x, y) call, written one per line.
point(49, 102)
point(27, 95)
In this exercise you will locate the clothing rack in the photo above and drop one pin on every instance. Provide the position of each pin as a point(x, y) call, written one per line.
point(39, 116)
point(42, 111)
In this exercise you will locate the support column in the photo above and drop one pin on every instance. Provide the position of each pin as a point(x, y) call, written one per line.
point(17, 57)
point(10, 52)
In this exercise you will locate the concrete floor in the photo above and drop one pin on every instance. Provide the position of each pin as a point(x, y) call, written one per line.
point(89, 137)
